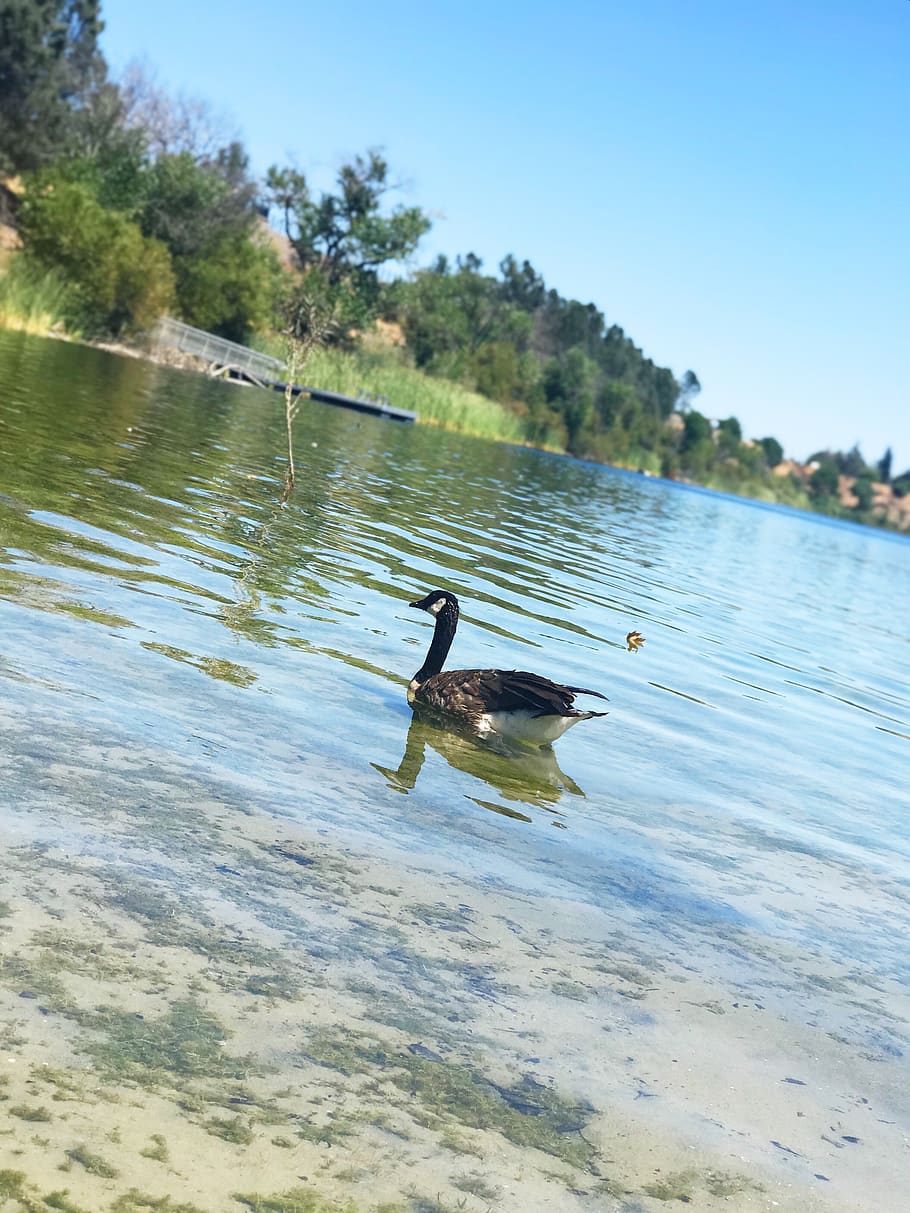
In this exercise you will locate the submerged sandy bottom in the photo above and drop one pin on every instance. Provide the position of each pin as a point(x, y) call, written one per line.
point(208, 1008)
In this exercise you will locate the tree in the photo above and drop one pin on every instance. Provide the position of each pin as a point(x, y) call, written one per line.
point(774, 452)
point(345, 235)
point(689, 388)
point(172, 124)
point(229, 287)
point(883, 467)
point(521, 286)
point(729, 435)
point(853, 463)
point(862, 488)
point(188, 204)
point(697, 429)
point(825, 478)
point(48, 56)
point(120, 279)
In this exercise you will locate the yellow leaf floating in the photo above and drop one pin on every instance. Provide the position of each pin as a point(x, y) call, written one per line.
point(634, 641)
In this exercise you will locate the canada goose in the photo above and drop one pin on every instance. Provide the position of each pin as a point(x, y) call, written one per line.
point(511, 703)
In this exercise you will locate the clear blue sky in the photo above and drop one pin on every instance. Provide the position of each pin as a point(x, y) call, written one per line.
point(729, 182)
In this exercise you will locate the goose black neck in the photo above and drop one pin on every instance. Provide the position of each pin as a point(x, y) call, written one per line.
point(443, 635)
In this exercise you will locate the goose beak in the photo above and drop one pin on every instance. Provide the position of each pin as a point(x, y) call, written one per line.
point(417, 604)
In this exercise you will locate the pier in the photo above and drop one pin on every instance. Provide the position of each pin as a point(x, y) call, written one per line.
point(230, 360)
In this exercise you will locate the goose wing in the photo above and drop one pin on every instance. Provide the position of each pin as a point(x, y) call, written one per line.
point(505, 691)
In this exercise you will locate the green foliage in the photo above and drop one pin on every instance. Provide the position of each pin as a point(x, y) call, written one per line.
point(697, 431)
point(729, 436)
point(188, 204)
point(297, 1200)
point(48, 56)
point(824, 479)
point(853, 463)
point(346, 236)
point(773, 450)
point(34, 300)
point(862, 488)
point(438, 401)
point(900, 485)
point(573, 381)
point(883, 467)
point(229, 287)
point(117, 278)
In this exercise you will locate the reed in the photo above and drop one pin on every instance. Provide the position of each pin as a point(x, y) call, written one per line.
point(436, 401)
point(34, 301)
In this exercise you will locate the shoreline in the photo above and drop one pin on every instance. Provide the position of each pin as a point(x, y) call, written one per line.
point(188, 362)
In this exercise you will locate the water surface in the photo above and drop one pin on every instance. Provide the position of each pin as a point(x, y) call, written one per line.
point(715, 874)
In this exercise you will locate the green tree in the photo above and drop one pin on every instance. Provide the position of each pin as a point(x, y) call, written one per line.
point(729, 436)
point(824, 481)
point(120, 279)
point(48, 57)
point(883, 467)
point(230, 286)
point(697, 430)
point(773, 450)
point(853, 463)
point(862, 488)
point(689, 388)
point(188, 204)
point(346, 235)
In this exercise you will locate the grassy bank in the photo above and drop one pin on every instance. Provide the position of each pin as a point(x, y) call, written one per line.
point(437, 401)
point(381, 372)
point(33, 301)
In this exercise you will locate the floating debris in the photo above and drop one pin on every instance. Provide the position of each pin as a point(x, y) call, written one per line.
point(634, 641)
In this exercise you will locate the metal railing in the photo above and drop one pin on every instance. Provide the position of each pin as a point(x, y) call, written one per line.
point(217, 350)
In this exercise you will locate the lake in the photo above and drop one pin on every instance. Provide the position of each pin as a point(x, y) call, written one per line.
point(270, 943)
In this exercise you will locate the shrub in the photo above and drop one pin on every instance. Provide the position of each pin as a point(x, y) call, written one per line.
point(230, 287)
point(119, 279)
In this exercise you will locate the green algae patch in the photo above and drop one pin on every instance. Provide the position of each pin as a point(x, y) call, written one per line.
point(281, 986)
point(297, 1200)
point(11, 1184)
point(185, 1042)
point(38, 1115)
point(135, 1201)
point(681, 1185)
point(93, 1163)
point(232, 1128)
point(158, 1150)
point(526, 1113)
point(333, 1131)
point(37, 976)
point(62, 1203)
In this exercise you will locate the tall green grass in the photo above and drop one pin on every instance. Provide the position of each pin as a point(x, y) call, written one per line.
point(435, 401)
point(34, 301)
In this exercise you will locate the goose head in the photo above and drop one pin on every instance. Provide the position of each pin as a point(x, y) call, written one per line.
point(438, 602)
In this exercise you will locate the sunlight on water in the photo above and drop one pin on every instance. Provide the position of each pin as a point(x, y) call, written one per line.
point(172, 637)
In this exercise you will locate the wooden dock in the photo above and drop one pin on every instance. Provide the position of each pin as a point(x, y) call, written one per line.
point(229, 360)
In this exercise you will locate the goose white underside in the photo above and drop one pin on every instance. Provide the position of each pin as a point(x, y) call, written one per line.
point(526, 727)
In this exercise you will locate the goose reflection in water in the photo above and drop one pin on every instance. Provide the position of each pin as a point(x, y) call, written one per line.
point(531, 776)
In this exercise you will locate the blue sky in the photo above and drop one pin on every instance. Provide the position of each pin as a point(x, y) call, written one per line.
point(728, 182)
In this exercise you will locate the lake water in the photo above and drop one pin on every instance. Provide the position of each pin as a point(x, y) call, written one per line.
point(268, 943)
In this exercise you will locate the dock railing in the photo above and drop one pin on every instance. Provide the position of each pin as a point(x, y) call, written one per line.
point(229, 360)
point(218, 351)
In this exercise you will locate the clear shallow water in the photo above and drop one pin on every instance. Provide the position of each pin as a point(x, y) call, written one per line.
point(743, 805)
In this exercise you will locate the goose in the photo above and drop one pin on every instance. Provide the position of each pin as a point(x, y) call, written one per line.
point(509, 703)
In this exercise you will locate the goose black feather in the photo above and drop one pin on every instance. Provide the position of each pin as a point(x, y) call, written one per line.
point(512, 703)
